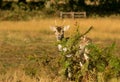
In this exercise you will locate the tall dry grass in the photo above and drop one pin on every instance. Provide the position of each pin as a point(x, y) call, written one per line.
point(19, 75)
point(105, 29)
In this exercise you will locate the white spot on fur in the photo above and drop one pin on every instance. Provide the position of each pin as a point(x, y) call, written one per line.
point(86, 57)
point(80, 64)
point(59, 47)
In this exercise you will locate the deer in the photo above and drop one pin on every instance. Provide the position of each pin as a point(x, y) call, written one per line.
point(59, 33)
point(83, 51)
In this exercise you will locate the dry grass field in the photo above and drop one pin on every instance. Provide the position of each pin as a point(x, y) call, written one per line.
point(24, 42)
point(104, 28)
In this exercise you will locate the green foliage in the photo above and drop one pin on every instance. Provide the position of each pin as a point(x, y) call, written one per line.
point(103, 60)
point(72, 62)
point(98, 8)
point(49, 11)
point(103, 63)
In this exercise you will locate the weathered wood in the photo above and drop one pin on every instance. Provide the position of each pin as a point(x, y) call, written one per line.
point(73, 14)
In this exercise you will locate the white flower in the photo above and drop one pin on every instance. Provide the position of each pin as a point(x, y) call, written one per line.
point(86, 57)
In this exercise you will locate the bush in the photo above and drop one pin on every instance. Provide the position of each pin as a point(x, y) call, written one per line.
point(102, 64)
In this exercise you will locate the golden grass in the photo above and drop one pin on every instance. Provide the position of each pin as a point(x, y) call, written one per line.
point(18, 75)
point(104, 28)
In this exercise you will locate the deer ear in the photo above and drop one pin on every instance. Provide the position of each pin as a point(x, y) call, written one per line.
point(66, 27)
point(53, 28)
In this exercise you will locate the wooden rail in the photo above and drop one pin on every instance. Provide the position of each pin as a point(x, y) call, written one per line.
point(73, 14)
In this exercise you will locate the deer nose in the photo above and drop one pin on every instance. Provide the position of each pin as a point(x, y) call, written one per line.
point(59, 37)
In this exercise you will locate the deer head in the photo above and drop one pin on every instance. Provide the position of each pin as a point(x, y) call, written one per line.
point(59, 31)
